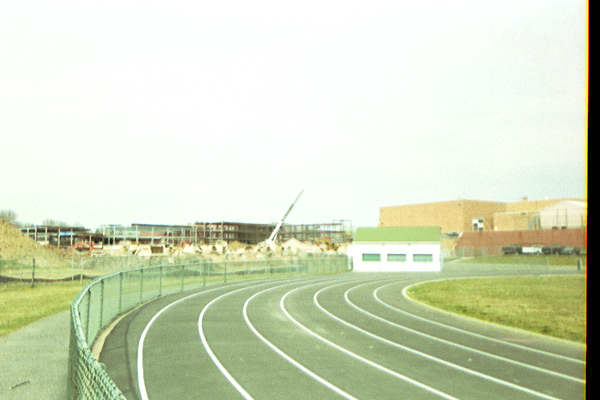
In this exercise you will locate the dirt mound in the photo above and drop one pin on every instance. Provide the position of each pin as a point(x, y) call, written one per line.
point(14, 245)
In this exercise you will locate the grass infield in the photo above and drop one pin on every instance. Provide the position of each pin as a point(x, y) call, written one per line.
point(550, 305)
point(519, 259)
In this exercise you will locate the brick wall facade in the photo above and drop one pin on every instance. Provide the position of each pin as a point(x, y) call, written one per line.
point(451, 216)
point(457, 215)
point(472, 243)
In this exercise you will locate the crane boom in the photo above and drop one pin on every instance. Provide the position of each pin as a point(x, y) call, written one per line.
point(273, 236)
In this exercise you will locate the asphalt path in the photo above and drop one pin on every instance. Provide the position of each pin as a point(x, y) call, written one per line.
point(346, 336)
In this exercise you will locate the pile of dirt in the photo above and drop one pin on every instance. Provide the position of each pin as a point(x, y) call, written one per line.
point(15, 246)
point(17, 249)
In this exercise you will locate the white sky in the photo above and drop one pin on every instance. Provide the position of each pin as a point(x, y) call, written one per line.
point(180, 111)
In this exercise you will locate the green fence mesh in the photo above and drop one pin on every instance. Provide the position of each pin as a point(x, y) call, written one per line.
point(107, 297)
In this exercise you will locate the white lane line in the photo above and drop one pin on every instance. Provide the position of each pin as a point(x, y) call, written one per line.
point(211, 354)
point(140, 352)
point(453, 328)
point(447, 342)
point(425, 355)
point(356, 356)
point(284, 355)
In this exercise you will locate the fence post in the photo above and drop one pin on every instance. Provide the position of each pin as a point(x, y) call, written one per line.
point(101, 301)
point(33, 274)
point(87, 317)
point(182, 277)
point(120, 292)
point(141, 284)
point(204, 268)
point(160, 281)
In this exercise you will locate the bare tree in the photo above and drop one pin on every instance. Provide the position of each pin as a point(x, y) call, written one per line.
point(53, 222)
point(9, 216)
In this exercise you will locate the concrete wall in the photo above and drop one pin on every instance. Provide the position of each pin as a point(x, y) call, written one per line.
point(516, 220)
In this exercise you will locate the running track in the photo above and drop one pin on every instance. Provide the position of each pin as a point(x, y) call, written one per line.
point(347, 336)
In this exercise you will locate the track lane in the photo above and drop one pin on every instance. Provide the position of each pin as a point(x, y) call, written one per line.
point(285, 356)
point(458, 344)
point(424, 370)
point(354, 346)
point(248, 358)
point(175, 364)
point(171, 352)
point(251, 328)
point(477, 364)
point(355, 375)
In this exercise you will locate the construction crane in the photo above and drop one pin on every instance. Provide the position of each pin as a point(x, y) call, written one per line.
point(271, 239)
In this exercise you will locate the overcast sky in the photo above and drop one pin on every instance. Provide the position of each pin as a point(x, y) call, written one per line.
point(180, 111)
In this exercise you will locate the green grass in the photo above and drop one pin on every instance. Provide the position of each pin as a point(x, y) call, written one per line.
point(518, 259)
point(550, 305)
point(21, 305)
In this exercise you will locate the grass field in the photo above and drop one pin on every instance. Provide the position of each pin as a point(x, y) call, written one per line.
point(517, 259)
point(554, 306)
point(20, 304)
point(551, 305)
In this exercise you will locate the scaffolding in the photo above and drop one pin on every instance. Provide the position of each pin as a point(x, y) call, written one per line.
point(198, 233)
point(60, 236)
point(250, 233)
point(338, 231)
point(150, 234)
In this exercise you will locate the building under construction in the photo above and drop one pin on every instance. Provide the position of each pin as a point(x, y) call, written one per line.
point(197, 233)
point(211, 232)
point(61, 236)
point(149, 234)
point(338, 231)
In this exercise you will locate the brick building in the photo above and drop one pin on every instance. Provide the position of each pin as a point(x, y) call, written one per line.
point(473, 215)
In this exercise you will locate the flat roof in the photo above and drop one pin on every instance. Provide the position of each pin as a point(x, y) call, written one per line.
point(399, 234)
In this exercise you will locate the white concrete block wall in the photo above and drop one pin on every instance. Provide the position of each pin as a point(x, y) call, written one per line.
point(357, 249)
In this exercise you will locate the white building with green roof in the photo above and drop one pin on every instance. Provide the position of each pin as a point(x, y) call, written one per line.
point(397, 249)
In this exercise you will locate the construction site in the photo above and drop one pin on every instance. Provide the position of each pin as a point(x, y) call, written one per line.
point(469, 228)
point(161, 237)
point(200, 238)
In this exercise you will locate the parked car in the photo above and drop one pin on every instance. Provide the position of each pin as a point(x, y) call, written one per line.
point(514, 249)
point(532, 250)
point(570, 251)
point(557, 248)
point(546, 250)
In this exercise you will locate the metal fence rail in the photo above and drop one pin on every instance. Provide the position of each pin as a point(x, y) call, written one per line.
point(107, 297)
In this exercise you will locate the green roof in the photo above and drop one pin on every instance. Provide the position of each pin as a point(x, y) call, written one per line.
point(398, 234)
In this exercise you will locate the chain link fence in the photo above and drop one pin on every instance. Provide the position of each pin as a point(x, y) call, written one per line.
point(76, 265)
point(107, 297)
